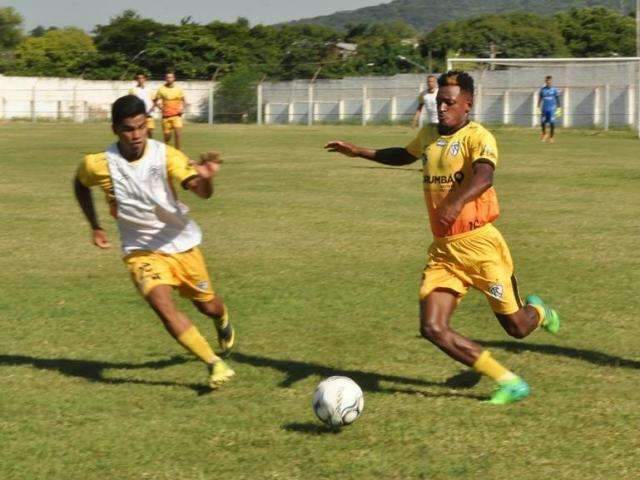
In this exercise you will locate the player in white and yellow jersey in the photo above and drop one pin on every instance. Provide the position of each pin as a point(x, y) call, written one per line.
point(159, 242)
point(143, 92)
point(459, 158)
point(170, 99)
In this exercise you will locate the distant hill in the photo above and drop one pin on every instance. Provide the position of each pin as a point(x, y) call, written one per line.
point(424, 15)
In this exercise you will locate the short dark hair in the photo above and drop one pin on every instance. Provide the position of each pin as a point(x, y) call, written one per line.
point(548, 77)
point(141, 74)
point(458, 78)
point(127, 107)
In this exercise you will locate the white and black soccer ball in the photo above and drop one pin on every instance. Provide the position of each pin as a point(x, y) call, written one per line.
point(338, 401)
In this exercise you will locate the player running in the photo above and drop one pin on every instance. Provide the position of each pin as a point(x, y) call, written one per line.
point(459, 158)
point(159, 242)
point(144, 93)
point(549, 98)
point(170, 99)
point(427, 111)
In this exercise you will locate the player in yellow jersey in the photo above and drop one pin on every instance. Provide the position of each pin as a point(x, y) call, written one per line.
point(459, 158)
point(160, 243)
point(170, 99)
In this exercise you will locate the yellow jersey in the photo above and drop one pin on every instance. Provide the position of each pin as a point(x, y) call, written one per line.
point(447, 165)
point(172, 100)
point(94, 171)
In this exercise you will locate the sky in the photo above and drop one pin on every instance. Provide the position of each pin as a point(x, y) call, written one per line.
point(87, 13)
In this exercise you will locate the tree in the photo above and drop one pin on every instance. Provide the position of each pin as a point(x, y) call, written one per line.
point(10, 28)
point(106, 66)
point(597, 32)
point(189, 50)
point(39, 31)
point(382, 49)
point(512, 34)
point(127, 34)
point(56, 53)
point(236, 95)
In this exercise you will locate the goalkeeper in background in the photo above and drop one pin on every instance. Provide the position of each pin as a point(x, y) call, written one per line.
point(549, 105)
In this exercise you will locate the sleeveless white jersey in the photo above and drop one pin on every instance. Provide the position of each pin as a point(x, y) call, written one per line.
point(429, 113)
point(145, 95)
point(149, 215)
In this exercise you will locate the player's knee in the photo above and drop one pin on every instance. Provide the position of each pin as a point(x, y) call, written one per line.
point(512, 326)
point(161, 302)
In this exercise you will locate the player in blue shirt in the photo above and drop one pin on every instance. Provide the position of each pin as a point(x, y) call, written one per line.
point(549, 98)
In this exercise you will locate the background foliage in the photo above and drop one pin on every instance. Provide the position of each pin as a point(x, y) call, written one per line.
point(130, 43)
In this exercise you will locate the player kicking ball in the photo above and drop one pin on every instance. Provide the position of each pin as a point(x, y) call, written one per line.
point(459, 158)
point(159, 242)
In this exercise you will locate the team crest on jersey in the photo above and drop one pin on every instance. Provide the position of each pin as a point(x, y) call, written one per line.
point(455, 148)
point(155, 172)
point(441, 142)
point(496, 291)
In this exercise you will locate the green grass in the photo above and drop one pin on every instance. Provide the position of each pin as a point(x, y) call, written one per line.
point(319, 259)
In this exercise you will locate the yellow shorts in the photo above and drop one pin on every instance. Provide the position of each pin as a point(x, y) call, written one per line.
point(171, 123)
point(151, 124)
point(185, 271)
point(480, 259)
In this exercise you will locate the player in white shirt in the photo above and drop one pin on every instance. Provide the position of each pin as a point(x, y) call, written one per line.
point(427, 111)
point(145, 94)
point(139, 178)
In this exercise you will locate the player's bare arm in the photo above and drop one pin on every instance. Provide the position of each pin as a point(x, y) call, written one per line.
point(207, 168)
point(85, 200)
point(416, 116)
point(481, 181)
point(395, 156)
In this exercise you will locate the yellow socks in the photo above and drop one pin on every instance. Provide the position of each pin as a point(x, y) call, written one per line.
point(486, 365)
point(192, 340)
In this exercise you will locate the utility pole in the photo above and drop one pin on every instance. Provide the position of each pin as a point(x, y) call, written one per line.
point(637, 28)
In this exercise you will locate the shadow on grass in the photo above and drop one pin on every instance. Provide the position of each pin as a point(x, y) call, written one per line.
point(296, 371)
point(590, 356)
point(406, 169)
point(311, 428)
point(93, 370)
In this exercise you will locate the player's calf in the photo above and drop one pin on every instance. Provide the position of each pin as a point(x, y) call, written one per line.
point(217, 311)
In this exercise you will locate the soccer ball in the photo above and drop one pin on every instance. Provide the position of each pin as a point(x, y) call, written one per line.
point(338, 401)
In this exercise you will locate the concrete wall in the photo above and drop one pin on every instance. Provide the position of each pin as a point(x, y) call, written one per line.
point(592, 96)
point(80, 100)
point(597, 95)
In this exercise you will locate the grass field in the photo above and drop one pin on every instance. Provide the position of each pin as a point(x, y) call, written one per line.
point(319, 259)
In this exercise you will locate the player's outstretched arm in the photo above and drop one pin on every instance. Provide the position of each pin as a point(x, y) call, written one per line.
point(395, 156)
point(207, 168)
point(85, 200)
